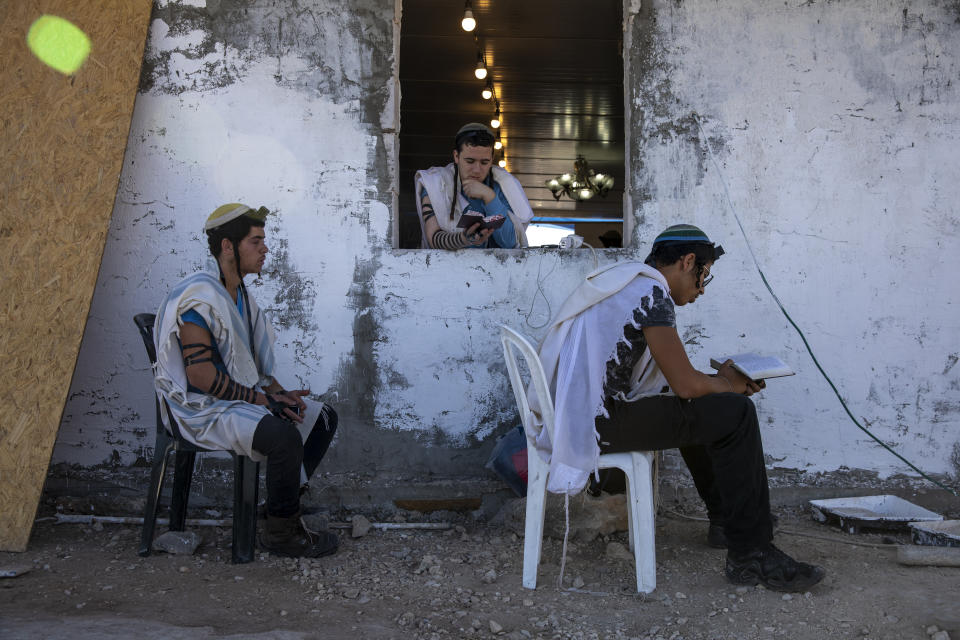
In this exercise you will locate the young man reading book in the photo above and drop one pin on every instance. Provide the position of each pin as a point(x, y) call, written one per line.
point(471, 203)
point(648, 396)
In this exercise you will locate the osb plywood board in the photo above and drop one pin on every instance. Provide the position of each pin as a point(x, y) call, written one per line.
point(63, 139)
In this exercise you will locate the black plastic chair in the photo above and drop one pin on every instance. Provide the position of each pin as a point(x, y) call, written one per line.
point(246, 476)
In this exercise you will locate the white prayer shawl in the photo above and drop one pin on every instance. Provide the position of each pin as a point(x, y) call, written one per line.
point(581, 339)
point(203, 419)
point(438, 181)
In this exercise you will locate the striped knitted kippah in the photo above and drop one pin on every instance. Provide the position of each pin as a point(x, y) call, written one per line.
point(685, 233)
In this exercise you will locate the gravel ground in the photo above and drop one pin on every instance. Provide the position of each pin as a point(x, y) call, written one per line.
point(88, 582)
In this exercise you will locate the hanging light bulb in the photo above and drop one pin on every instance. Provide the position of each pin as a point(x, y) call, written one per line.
point(498, 145)
point(487, 92)
point(495, 122)
point(481, 70)
point(503, 161)
point(468, 23)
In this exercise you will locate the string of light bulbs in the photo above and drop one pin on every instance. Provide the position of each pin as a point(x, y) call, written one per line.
point(489, 92)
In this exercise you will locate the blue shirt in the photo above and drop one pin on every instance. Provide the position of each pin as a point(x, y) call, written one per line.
point(194, 317)
point(505, 237)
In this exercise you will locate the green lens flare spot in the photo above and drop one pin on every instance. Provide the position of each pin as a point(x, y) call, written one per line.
point(58, 43)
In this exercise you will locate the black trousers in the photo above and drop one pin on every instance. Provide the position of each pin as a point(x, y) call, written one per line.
point(719, 438)
point(280, 441)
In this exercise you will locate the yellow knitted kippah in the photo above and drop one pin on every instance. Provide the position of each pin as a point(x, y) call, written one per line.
point(225, 213)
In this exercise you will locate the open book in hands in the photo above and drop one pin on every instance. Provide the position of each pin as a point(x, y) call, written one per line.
point(470, 218)
point(754, 366)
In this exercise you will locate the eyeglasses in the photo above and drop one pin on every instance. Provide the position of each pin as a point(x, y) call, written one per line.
point(706, 277)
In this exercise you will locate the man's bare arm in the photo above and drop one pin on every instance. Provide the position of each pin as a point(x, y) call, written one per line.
point(667, 349)
point(437, 238)
point(202, 374)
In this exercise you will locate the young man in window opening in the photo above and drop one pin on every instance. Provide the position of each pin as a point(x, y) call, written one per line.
point(215, 369)
point(471, 184)
point(620, 375)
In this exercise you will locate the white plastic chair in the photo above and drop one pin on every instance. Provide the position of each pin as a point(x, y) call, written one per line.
point(637, 465)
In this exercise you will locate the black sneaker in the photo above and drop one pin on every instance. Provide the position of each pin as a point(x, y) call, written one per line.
point(773, 569)
point(717, 539)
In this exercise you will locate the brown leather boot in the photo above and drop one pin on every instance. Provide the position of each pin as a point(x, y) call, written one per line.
point(288, 537)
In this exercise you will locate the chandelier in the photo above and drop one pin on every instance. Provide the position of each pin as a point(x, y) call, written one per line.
point(582, 184)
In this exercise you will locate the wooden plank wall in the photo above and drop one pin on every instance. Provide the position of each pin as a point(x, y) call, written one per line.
point(63, 139)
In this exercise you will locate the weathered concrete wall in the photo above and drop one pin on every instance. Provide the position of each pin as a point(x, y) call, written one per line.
point(835, 128)
point(295, 106)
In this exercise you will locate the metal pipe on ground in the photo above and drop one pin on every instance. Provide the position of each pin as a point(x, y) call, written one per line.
point(65, 518)
point(921, 556)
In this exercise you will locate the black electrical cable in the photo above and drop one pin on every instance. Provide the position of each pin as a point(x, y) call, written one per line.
point(794, 324)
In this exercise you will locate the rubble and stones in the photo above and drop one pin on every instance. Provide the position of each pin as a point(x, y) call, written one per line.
point(464, 582)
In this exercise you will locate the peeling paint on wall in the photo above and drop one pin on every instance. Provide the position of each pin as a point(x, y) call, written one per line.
point(293, 302)
point(778, 88)
point(668, 156)
point(344, 55)
point(358, 375)
point(836, 131)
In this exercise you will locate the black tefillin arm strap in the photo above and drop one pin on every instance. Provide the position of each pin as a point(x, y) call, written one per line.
point(446, 240)
point(223, 386)
point(194, 358)
point(428, 211)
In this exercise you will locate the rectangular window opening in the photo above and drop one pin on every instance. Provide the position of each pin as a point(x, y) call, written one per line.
point(555, 69)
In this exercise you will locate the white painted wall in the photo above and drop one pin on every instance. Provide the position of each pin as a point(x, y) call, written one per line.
point(835, 126)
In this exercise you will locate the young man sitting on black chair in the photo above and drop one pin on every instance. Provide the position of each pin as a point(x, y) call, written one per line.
point(215, 368)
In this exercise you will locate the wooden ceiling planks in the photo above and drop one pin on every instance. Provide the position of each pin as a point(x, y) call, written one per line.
point(557, 69)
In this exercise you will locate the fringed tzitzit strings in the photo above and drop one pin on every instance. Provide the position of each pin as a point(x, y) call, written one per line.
point(566, 534)
point(655, 480)
point(454, 202)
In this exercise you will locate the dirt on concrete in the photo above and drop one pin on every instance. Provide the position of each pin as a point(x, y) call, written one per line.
point(87, 581)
